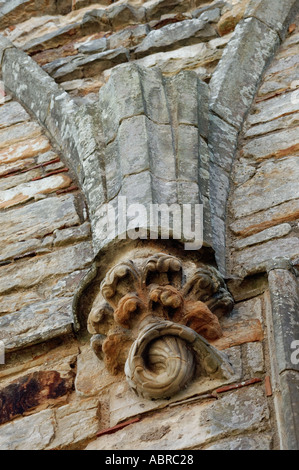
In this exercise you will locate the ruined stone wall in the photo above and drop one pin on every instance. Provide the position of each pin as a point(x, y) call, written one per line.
point(52, 383)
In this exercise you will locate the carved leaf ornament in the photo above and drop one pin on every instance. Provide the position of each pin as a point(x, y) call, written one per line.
point(154, 320)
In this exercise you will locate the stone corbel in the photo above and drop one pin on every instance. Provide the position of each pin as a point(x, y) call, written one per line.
point(154, 317)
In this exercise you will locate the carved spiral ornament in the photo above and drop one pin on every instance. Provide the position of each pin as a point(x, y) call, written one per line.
point(173, 314)
point(161, 361)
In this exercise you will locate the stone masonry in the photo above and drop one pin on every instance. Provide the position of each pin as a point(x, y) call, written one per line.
point(164, 102)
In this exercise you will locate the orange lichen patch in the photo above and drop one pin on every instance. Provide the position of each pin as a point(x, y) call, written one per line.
point(27, 191)
point(292, 28)
point(23, 150)
point(200, 318)
point(238, 333)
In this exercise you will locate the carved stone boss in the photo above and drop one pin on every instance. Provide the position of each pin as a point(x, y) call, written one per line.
point(154, 318)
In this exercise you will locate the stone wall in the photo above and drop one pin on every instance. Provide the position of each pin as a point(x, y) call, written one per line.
point(54, 61)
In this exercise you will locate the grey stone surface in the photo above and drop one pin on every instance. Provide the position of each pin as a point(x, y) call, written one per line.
point(91, 64)
point(261, 441)
point(37, 323)
point(159, 7)
point(174, 34)
point(187, 153)
point(71, 235)
point(61, 428)
point(75, 423)
point(290, 405)
point(38, 219)
point(276, 144)
point(12, 113)
point(253, 358)
point(274, 13)
point(133, 145)
point(285, 308)
point(31, 433)
point(249, 51)
point(277, 106)
point(210, 16)
point(97, 45)
point(259, 221)
point(268, 234)
point(60, 122)
point(256, 258)
point(19, 71)
point(214, 5)
point(31, 272)
point(186, 428)
point(120, 98)
point(223, 140)
point(52, 39)
point(273, 183)
point(183, 96)
point(284, 122)
point(219, 190)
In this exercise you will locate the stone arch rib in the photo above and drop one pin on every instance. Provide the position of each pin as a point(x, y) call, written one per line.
point(232, 90)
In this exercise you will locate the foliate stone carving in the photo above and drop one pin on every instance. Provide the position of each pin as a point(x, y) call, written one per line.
point(154, 317)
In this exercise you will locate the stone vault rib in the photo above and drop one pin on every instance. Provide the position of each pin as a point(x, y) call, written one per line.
point(73, 127)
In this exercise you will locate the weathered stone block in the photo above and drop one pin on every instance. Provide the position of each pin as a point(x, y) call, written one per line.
point(254, 259)
point(187, 428)
point(252, 442)
point(31, 272)
point(19, 156)
point(219, 190)
point(274, 108)
point(172, 35)
point(182, 96)
point(27, 191)
point(72, 235)
point(187, 153)
point(290, 404)
point(19, 133)
point(37, 323)
point(15, 435)
point(75, 423)
point(252, 224)
point(17, 64)
point(38, 219)
point(252, 45)
point(222, 142)
point(274, 13)
point(90, 65)
point(268, 234)
point(119, 99)
point(273, 145)
point(273, 183)
point(12, 113)
point(285, 307)
point(133, 145)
